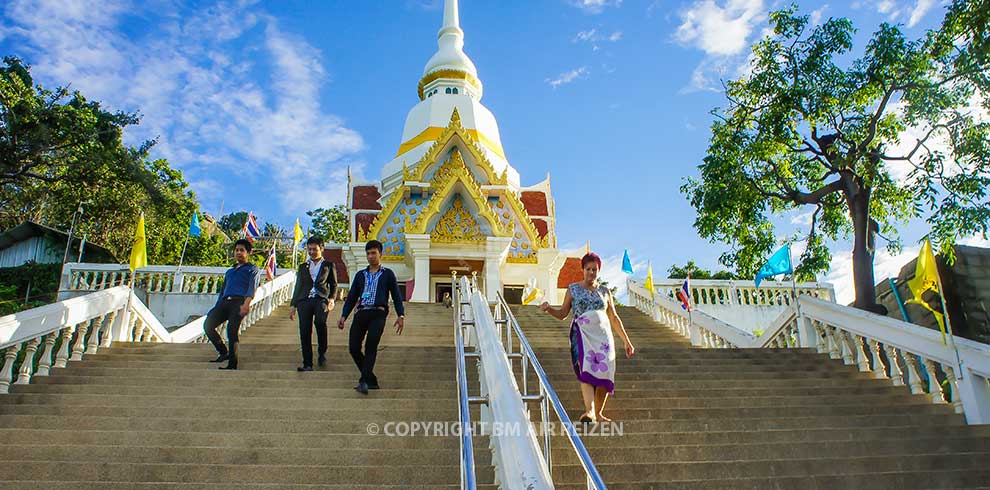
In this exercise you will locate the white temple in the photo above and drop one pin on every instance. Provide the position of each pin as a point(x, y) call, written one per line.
point(450, 200)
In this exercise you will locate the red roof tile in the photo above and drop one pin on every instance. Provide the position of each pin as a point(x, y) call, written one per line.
point(570, 273)
point(535, 203)
point(336, 256)
point(541, 227)
point(366, 197)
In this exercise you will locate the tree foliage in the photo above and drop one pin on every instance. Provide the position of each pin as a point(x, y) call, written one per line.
point(330, 223)
point(57, 149)
point(812, 126)
point(679, 272)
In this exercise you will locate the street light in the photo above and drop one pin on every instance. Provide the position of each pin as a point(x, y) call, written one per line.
point(72, 229)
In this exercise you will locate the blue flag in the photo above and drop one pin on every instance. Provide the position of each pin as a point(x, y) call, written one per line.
point(194, 225)
point(626, 264)
point(779, 263)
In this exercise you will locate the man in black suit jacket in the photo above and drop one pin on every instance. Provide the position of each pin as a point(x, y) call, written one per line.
point(316, 284)
point(368, 296)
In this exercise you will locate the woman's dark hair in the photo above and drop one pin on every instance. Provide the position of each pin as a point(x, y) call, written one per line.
point(589, 258)
point(373, 244)
point(244, 242)
point(314, 240)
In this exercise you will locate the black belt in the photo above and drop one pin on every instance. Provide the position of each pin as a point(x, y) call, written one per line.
point(371, 308)
point(231, 298)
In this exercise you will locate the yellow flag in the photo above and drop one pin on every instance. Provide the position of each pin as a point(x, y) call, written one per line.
point(926, 279)
point(648, 283)
point(533, 295)
point(297, 234)
point(139, 251)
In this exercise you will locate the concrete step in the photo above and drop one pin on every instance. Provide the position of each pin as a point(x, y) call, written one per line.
point(563, 453)
point(89, 485)
point(320, 388)
point(311, 410)
point(820, 466)
point(232, 456)
point(396, 473)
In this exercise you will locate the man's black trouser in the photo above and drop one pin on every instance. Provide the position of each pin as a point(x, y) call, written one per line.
point(226, 310)
point(312, 311)
point(370, 323)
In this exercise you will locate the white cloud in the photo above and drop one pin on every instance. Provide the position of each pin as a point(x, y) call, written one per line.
point(198, 91)
point(895, 10)
point(719, 30)
point(802, 218)
point(724, 31)
point(595, 7)
point(612, 272)
point(918, 12)
point(595, 38)
point(568, 77)
point(885, 265)
point(817, 15)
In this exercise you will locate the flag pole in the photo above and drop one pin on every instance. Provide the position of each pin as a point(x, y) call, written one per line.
point(183, 255)
point(794, 294)
point(948, 323)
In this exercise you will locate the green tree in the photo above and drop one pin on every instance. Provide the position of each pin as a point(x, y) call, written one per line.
point(811, 126)
point(233, 223)
point(58, 149)
point(330, 223)
point(679, 272)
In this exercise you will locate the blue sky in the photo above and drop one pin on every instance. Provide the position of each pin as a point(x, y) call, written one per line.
point(264, 105)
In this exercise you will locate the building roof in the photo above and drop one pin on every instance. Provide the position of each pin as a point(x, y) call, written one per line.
point(365, 197)
point(570, 273)
point(30, 229)
point(535, 203)
point(336, 256)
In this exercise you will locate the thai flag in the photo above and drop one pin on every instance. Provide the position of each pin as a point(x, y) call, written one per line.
point(251, 230)
point(684, 294)
point(270, 269)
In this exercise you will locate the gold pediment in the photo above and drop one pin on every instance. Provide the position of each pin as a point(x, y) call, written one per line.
point(457, 225)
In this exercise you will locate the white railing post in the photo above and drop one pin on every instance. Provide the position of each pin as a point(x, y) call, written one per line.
point(27, 365)
point(975, 395)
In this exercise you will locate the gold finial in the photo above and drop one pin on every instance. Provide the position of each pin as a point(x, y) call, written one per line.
point(455, 118)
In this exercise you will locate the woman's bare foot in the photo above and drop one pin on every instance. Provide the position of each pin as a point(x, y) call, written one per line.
point(602, 418)
point(587, 417)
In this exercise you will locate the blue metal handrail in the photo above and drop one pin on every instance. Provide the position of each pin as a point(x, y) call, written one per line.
point(464, 415)
point(548, 395)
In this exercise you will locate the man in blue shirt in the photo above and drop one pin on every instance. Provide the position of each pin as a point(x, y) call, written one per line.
point(234, 303)
point(369, 293)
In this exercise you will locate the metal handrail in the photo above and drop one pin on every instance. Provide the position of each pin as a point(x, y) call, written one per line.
point(547, 397)
point(464, 415)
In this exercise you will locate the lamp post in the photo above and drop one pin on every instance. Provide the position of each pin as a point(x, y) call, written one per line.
point(75, 217)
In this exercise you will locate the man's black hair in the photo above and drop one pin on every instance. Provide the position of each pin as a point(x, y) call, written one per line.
point(315, 240)
point(245, 243)
point(373, 244)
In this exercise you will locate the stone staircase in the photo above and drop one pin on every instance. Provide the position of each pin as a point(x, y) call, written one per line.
point(755, 419)
point(159, 416)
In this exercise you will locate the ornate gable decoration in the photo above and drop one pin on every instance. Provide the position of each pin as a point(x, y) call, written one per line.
point(446, 177)
point(457, 226)
point(418, 171)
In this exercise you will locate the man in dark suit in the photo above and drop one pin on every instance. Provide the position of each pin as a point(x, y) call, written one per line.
point(316, 283)
point(369, 293)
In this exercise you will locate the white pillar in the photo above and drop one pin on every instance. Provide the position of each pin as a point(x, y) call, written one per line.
point(419, 248)
point(550, 262)
point(496, 250)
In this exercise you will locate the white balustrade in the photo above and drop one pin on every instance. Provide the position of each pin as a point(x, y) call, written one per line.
point(268, 297)
point(904, 353)
point(52, 335)
point(82, 277)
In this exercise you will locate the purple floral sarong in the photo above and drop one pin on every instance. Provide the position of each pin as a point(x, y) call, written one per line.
point(592, 349)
